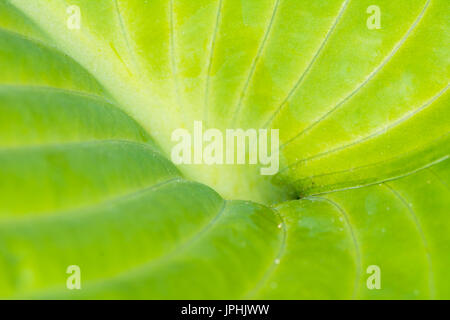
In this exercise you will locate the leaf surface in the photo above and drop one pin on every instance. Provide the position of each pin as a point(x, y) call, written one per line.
point(86, 118)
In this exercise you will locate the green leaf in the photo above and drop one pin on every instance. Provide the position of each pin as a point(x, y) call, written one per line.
point(400, 226)
point(86, 117)
point(177, 238)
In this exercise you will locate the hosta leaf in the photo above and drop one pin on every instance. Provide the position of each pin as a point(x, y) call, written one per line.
point(86, 117)
point(179, 239)
point(400, 226)
point(351, 103)
point(114, 206)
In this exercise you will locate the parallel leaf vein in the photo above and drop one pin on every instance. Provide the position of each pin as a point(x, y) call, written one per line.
point(377, 133)
point(310, 65)
point(422, 237)
point(366, 81)
point(354, 240)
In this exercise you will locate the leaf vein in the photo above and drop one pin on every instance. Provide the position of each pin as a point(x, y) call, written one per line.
point(422, 237)
point(273, 266)
point(357, 249)
point(310, 65)
point(210, 60)
point(259, 53)
point(384, 130)
point(366, 81)
point(378, 181)
point(125, 36)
